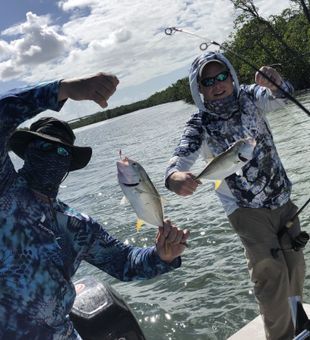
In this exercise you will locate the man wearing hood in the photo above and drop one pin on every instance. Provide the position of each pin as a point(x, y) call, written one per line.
point(257, 202)
point(43, 240)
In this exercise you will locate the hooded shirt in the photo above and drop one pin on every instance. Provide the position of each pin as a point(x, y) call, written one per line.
point(220, 123)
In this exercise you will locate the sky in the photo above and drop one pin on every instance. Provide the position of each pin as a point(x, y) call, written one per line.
point(43, 40)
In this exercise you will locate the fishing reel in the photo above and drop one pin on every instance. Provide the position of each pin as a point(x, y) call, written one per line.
point(298, 243)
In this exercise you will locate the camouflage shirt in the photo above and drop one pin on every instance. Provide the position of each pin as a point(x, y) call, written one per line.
point(215, 127)
point(43, 243)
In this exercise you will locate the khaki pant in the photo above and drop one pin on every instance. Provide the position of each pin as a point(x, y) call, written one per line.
point(275, 279)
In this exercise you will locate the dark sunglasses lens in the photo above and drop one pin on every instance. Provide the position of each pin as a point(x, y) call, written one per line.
point(62, 151)
point(222, 76)
point(45, 146)
point(207, 82)
point(211, 81)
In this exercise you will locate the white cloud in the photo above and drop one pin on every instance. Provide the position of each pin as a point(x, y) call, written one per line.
point(125, 37)
point(267, 8)
point(9, 70)
point(5, 50)
point(75, 4)
point(36, 43)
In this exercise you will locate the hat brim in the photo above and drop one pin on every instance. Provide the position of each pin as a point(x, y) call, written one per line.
point(21, 138)
point(203, 65)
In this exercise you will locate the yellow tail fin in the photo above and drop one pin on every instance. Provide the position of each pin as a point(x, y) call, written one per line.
point(139, 224)
point(217, 184)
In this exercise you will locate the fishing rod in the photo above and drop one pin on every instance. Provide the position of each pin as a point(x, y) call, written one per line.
point(300, 240)
point(207, 43)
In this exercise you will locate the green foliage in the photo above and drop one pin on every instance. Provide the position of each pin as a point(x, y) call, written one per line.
point(257, 43)
point(282, 39)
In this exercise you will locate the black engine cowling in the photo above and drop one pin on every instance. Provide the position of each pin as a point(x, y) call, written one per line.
point(100, 313)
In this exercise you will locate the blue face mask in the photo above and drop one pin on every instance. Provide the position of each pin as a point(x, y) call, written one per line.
point(46, 165)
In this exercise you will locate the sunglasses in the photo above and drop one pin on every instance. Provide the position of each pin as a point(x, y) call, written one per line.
point(210, 81)
point(48, 147)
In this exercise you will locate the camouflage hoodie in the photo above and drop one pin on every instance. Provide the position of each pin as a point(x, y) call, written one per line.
point(217, 125)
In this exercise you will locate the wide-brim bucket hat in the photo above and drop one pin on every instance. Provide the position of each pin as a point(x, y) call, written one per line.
point(54, 130)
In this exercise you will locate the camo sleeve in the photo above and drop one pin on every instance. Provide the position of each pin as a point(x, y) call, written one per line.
point(189, 147)
point(265, 100)
point(122, 261)
point(16, 106)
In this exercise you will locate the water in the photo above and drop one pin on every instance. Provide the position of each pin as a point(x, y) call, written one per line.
point(210, 296)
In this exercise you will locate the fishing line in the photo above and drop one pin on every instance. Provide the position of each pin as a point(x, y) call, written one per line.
point(207, 43)
point(297, 213)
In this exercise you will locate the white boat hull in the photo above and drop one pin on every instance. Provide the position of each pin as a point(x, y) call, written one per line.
point(254, 330)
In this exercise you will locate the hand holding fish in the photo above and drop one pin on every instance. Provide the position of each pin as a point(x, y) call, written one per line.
point(231, 161)
point(183, 183)
point(170, 241)
point(270, 73)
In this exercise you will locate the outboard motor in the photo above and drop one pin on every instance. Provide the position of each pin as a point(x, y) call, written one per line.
point(99, 313)
point(299, 318)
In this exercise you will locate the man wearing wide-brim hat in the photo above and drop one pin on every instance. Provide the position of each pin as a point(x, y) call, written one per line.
point(42, 240)
point(51, 130)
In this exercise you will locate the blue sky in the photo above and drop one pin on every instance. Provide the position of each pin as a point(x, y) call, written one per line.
point(43, 40)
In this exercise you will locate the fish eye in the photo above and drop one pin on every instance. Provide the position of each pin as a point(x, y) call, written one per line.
point(241, 158)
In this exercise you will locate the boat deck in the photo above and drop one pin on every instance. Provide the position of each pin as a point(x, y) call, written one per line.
point(254, 330)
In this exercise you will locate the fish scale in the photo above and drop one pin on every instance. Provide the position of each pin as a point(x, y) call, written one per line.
point(230, 161)
point(140, 192)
